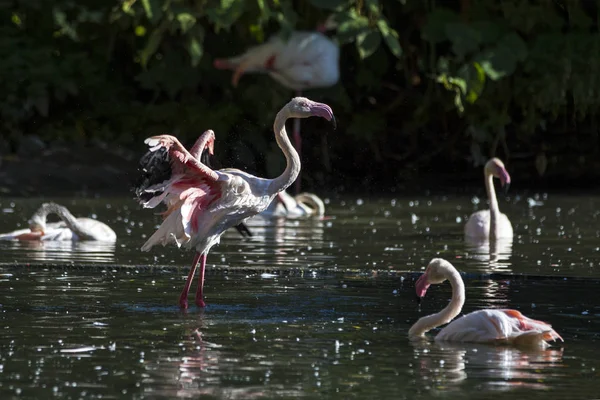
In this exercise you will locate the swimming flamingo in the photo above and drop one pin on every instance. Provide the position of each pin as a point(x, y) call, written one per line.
point(203, 203)
point(300, 206)
point(306, 60)
point(483, 326)
point(70, 228)
point(491, 224)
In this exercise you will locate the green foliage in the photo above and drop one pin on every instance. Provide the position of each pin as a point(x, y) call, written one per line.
point(509, 75)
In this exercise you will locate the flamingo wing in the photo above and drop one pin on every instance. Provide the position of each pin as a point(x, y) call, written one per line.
point(190, 191)
point(497, 326)
point(180, 157)
point(186, 197)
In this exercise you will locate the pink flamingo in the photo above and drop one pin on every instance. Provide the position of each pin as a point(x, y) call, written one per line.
point(306, 60)
point(203, 203)
point(483, 326)
point(491, 224)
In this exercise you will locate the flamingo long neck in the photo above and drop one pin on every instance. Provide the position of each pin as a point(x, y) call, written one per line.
point(63, 214)
point(494, 209)
point(292, 168)
point(453, 308)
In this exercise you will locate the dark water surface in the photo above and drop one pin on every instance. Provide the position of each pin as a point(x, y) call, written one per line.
point(304, 309)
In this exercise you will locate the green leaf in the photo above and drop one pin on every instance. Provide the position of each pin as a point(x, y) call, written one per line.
point(329, 4)
point(367, 43)
point(434, 30)
point(489, 31)
point(474, 77)
point(464, 38)
point(152, 9)
point(512, 43)
point(372, 6)
point(390, 36)
point(194, 45)
point(349, 29)
point(152, 45)
point(186, 21)
point(502, 60)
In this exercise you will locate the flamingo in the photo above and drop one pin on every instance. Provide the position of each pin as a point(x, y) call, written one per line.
point(300, 206)
point(155, 167)
point(306, 60)
point(483, 326)
point(491, 224)
point(203, 203)
point(70, 228)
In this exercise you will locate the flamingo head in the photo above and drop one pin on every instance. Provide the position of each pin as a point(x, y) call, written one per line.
point(37, 224)
point(436, 272)
point(210, 143)
point(301, 107)
point(495, 167)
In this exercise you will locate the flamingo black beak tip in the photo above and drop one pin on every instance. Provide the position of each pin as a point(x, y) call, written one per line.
point(333, 122)
point(419, 299)
point(506, 187)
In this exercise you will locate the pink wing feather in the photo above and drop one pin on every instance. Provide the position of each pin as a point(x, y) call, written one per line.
point(189, 192)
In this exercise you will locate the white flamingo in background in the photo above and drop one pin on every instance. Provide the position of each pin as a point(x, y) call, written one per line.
point(483, 326)
point(69, 228)
point(302, 205)
point(491, 224)
point(203, 203)
point(306, 60)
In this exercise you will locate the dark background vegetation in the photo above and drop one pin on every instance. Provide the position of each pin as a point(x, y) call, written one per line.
point(428, 88)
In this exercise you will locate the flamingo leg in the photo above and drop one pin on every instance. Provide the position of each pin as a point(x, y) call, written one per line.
point(200, 290)
point(298, 146)
point(183, 302)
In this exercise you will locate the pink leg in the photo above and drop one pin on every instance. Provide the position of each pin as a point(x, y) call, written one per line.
point(200, 290)
point(298, 146)
point(183, 302)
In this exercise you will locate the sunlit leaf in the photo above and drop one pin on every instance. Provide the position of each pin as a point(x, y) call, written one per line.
point(186, 21)
point(151, 45)
point(391, 37)
point(348, 30)
point(367, 43)
point(502, 59)
point(194, 45)
point(152, 9)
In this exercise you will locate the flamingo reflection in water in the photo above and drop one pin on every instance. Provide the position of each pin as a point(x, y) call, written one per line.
point(60, 251)
point(490, 255)
point(500, 367)
point(202, 371)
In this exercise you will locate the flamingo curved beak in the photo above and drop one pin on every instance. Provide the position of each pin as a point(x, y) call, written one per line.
point(421, 286)
point(323, 111)
point(504, 179)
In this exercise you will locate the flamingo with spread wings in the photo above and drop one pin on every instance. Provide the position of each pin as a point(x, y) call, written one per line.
point(483, 326)
point(306, 60)
point(202, 203)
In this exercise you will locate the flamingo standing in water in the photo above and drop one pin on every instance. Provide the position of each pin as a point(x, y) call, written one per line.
point(203, 203)
point(483, 326)
point(306, 60)
point(69, 228)
point(491, 224)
